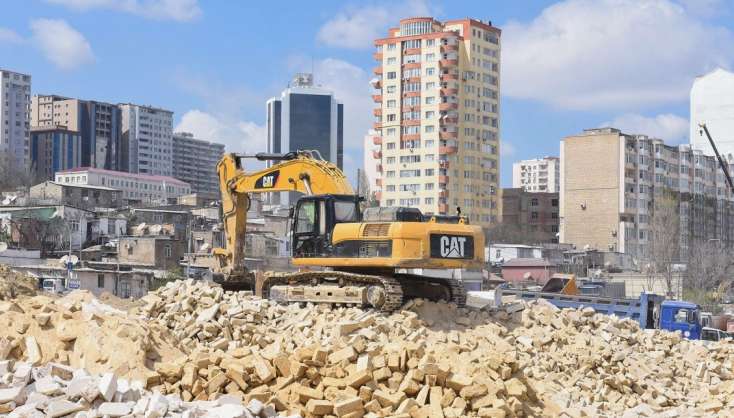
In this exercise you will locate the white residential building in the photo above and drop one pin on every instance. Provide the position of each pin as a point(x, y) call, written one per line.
point(143, 189)
point(147, 140)
point(537, 175)
point(712, 102)
point(15, 101)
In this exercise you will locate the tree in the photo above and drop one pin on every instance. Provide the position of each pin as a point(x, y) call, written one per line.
point(13, 176)
point(663, 250)
point(709, 267)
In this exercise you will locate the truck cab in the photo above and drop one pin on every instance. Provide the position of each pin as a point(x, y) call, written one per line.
point(676, 315)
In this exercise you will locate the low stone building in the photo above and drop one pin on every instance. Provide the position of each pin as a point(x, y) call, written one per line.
point(160, 252)
point(78, 195)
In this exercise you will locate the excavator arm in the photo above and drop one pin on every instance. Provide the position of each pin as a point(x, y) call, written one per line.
point(301, 171)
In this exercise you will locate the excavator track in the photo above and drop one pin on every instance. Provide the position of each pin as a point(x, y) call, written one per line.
point(382, 292)
point(385, 293)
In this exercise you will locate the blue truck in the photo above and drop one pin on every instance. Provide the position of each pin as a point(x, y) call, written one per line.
point(650, 311)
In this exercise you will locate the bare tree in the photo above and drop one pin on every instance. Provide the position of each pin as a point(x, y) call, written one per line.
point(13, 176)
point(664, 241)
point(709, 266)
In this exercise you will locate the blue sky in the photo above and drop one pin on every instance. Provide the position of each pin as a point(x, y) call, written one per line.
point(567, 65)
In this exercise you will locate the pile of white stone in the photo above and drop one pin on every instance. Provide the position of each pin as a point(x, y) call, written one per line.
point(55, 390)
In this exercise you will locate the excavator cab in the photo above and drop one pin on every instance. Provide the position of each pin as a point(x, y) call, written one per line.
point(313, 222)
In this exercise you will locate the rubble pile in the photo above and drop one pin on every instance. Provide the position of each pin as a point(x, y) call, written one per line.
point(14, 284)
point(55, 390)
point(200, 347)
point(78, 331)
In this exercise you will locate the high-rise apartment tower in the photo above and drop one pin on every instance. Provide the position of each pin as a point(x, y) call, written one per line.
point(437, 117)
point(15, 99)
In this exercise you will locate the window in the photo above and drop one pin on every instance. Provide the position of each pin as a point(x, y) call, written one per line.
point(391, 104)
point(430, 71)
point(390, 131)
point(430, 86)
point(391, 47)
point(392, 75)
point(428, 186)
point(167, 250)
point(430, 42)
point(392, 60)
point(428, 201)
point(390, 174)
point(345, 211)
point(390, 145)
point(390, 188)
point(430, 143)
point(391, 118)
point(554, 203)
point(390, 89)
point(390, 160)
point(430, 99)
point(533, 202)
point(430, 57)
point(306, 217)
point(100, 280)
point(430, 114)
point(533, 215)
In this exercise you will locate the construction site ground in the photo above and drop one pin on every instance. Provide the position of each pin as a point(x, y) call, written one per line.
point(189, 349)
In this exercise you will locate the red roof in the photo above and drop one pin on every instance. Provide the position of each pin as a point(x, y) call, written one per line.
point(125, 174)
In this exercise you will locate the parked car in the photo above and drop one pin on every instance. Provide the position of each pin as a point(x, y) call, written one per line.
point(712, 334)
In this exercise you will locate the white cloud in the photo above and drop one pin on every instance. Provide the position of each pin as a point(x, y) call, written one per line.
point(237, 136)
point(358, 27)
point(584, 54)
point(9, 36)
point(671, 128)
point(63, 45)
point(178, 10)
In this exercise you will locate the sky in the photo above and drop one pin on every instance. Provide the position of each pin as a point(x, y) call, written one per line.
point(566, 65)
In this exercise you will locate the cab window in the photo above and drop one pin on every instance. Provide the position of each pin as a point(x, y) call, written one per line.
point(685, 316)
point(306, 217)
point(345, 211)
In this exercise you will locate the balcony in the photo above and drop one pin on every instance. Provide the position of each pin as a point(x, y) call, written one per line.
point(444, 194)
point(443, 179)
point(415, 108)
point(448, 62)
point(411, 122)
point(378, 182)
point(443, 208)
point(449, 92)
point(378, 195)
point(377, 98)
point(448, 135)
point(378, 70)
point(448, 106)
point(409, 65)
point(377, 140)
point(448, 149)
point(412, 94)
point(377, 56)
point(449, 121)
point(443, 164)
point(410, 137)
point(412, 51)
point(449, 76)
point(449, 48)
point(376, 83)
point(377, 111)
point(378, 168)
point(376, 154)
point(377, 125)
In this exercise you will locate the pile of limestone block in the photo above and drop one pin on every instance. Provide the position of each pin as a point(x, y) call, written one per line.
point(55, 390)
point(201, 347)
point(432, 360)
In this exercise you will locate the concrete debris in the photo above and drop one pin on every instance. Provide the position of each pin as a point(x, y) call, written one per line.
point(239, 356)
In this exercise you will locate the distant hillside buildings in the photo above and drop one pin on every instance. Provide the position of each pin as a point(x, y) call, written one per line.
point(15, 100)
point(541, 175)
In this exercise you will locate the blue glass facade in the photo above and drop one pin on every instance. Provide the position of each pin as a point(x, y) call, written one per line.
point(54, 150)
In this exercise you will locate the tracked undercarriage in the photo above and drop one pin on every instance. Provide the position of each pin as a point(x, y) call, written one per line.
point(383, 292)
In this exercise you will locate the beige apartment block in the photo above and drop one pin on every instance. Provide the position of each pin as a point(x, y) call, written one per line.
point(610, 182)
point(436, 142)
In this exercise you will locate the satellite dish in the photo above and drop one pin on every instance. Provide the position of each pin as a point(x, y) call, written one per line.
point(63, 260)
point(140, 228)
point(156, 229)
point(3, 246)
point(6, 201)
point(205, 247)
point(12, 198)
point(74, 260)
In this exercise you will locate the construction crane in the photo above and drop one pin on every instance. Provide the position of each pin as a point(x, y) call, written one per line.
point(371, 258)
point(722, 163)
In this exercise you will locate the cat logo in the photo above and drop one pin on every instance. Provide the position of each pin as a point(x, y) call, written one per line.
point(452, 246)
point(267, 181)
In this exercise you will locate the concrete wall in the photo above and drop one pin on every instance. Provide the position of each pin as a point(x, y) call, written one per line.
point(590, 192)
point(637, 283)
point(49, 192)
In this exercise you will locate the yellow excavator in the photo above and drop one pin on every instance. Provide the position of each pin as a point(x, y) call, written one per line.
point(374, 257)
